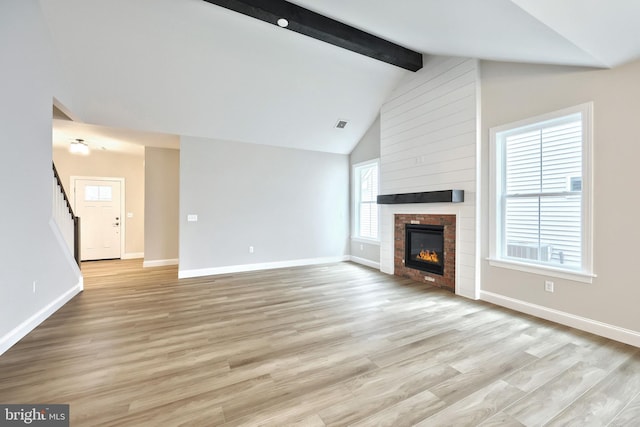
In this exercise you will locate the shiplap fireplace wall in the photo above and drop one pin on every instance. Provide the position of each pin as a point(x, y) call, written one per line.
point(429, 142)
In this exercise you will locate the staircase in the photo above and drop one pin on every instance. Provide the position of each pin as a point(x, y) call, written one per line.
point(67, 222)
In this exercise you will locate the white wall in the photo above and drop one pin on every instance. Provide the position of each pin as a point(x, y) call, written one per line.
point(30, 248)
point(429, 143)
point(290, 205)
point(363, 251)
point(162, 206)
point(368, 147)
point(512, 92)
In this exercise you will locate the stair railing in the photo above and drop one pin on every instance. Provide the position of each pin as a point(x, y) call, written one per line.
point(67, 221)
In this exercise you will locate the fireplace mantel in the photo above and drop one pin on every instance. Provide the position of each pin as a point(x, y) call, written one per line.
point(444, 196)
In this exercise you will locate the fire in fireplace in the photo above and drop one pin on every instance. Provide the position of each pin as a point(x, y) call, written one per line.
point(424, 247)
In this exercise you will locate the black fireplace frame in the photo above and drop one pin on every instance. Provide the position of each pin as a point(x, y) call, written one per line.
point(423, 266)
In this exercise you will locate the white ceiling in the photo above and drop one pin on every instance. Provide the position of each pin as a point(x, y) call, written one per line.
point(595, 33)
point(109, 138)
point(187, 67)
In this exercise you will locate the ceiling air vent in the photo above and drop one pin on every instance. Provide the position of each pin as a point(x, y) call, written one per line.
point(341, 124)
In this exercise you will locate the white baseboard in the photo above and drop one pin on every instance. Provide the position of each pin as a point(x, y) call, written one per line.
point(160, 262)
point(366, 262)
point(184, 274)
point(606, 330)
point(133, 255)
point(19, 332)
point(471, 294)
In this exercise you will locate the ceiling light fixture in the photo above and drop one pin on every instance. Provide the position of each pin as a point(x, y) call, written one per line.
point(79, 147)
point(283, 23)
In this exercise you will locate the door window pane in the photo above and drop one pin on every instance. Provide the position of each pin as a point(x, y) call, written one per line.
point(98, 193)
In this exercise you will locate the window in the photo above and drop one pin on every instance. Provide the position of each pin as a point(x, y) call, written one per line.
point(97, 193)
point(542, 193)
point(365, 193)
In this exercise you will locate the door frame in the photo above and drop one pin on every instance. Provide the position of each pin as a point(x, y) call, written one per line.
point(123, 230)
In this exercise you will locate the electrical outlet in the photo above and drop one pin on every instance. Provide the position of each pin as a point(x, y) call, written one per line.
point(548, 285)
point(362, 247)
point(250, 249)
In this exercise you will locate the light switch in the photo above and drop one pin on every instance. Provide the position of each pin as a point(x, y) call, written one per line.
point(192, 218)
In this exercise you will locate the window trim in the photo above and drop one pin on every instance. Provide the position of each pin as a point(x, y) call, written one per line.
point(497, 166)
point(355, 226)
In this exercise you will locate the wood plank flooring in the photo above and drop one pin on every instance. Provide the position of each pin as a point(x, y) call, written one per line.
point(328, 345)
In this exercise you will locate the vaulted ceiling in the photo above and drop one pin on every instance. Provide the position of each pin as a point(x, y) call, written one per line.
point(187, 67)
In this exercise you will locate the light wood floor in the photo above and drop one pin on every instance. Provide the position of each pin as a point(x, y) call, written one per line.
point(331, 345)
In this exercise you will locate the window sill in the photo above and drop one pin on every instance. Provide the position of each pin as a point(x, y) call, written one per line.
point(365, 240)
point(576, 276)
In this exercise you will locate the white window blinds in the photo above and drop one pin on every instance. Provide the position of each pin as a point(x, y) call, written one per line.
point(366, 207)
point(542, 193)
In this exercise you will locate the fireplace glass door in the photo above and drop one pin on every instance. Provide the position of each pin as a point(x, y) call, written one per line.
point(424, 247)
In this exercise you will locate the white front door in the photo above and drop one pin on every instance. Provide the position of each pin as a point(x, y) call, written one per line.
point(97, 203)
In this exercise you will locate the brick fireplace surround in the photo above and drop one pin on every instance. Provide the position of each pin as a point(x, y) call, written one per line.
point(446, 281)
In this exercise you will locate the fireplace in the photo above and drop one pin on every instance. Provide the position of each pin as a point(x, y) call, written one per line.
point(437, 263)
point(424, 248)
